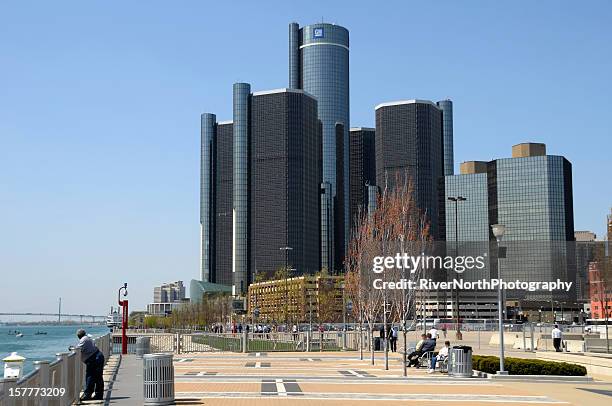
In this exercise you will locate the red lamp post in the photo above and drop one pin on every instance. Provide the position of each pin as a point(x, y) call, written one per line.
point(124, 318)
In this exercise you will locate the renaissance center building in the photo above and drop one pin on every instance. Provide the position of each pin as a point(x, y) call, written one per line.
point(319, 64)
point(260, 184)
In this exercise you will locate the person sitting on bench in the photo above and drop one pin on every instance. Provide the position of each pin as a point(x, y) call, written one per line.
point(439, 357)
point(426, 345)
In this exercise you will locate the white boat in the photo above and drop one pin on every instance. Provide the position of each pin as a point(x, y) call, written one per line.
point(113, 319)
point(19, 335)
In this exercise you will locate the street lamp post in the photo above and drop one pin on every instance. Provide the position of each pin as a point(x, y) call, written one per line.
point(124, 318)
point(498, 232)
point(456, 200)
point(286, 249)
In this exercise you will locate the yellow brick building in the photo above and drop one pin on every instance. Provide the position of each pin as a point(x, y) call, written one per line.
point(298, 299)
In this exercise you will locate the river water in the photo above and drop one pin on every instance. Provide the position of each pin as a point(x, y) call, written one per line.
point(40, 347)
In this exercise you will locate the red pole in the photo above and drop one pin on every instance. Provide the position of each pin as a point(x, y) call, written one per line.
point(124, 320)
point(124, 326)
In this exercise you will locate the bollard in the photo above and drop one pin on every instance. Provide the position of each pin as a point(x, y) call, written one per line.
point(245, 341)
point(158, 379)
point(45, 381)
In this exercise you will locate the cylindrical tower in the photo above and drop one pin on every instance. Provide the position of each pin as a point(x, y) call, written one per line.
point(294, 56)
point(208, 127)
point(240, 212)
point(324, 72)
point(447, 134)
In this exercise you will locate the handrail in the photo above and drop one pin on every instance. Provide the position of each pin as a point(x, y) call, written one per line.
point(68, 365)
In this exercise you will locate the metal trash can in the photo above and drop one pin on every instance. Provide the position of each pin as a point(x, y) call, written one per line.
point(143, 346)
point(460, 361)
point(377, 343)
point(158, 378)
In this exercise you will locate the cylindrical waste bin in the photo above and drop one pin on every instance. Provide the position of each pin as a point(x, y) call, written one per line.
point(460, 361)
point(376, 343)
point(143, 346)
point(158, 378)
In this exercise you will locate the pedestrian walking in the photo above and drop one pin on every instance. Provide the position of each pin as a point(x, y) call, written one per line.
point(557, 335)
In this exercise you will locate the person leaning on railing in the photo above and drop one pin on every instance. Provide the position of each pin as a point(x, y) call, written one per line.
point(93, 359)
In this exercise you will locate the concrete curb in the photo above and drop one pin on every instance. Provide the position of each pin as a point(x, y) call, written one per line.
point(539, 378)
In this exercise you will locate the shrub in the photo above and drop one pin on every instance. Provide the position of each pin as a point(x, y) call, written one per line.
point(521, 366)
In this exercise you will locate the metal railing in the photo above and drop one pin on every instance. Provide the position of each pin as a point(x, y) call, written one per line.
point(179, 343)
point(56, 383)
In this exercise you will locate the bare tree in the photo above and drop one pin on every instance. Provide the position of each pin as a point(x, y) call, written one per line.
point(601, 285)
point(396, 226)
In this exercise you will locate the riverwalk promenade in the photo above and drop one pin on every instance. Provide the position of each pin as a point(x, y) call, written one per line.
point(338, 378)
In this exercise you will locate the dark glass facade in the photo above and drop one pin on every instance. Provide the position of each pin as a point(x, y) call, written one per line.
point(319, 64)
point(260, 187)
point(409, 142)
point(362, 167)
point(532, 197)
point(466, 226)
point(285, 179)
point(447, 135)
point(208, 129)
point(240, 209)
point(223, 173)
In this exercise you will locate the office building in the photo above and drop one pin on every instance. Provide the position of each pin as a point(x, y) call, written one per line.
point(319, 64)
point(586, 246)
point(166, 298)
point(216, 200)
point(298, 299)
point(409, 143)
point(363, 169)
point(285, 181)
point(531, 194)
point(600, 291)
point(169, 292)
point(263, 175)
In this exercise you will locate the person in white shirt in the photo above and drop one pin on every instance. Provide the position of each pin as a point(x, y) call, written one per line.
point(440, 356)
point(434, 333)
point(556, 336)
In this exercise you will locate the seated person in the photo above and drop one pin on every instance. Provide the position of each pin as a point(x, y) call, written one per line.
point(429, 344)
point(413, 357)
point(440, 356)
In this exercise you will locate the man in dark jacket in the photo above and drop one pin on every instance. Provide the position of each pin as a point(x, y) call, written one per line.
point(94, 363)
point(428, 345)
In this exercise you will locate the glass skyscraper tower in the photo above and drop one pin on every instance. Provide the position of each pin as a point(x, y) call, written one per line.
point(319, 64)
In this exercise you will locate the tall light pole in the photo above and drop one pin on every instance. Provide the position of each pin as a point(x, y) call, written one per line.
point(124, 318)
point(456, 200)
point(498, 232)
point(286, 249)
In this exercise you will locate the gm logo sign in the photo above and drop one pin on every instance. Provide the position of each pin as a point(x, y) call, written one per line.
point(318, 33)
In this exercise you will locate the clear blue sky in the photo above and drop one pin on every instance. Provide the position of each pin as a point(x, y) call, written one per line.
point(100, 105)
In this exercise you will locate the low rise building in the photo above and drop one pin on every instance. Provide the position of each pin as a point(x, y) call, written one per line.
point(298, 300)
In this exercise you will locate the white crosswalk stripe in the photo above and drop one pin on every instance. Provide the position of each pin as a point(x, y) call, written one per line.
point(280, 388)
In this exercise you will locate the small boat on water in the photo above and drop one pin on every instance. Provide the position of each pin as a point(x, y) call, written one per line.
point(40, 333)
point(19, 335)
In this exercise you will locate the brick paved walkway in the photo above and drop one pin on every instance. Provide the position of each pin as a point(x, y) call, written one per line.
point(342, 379)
